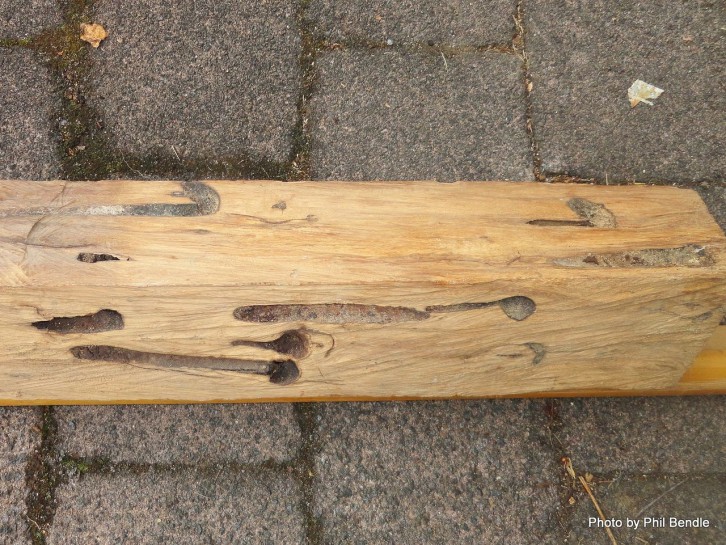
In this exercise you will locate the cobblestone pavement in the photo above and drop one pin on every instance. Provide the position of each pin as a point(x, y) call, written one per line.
point(328, 89)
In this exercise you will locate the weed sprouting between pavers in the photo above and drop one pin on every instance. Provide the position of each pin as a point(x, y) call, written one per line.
point(83, 150)
point(307, 416)
point(42, 477)
point(519, 43)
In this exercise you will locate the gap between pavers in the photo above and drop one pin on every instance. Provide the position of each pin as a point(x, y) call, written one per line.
point(20, 435)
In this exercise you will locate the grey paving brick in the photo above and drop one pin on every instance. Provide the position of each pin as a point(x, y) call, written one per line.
point(210, 78)
point(642, 435)
point(189, 434)
point(679, 497)
point(26, 18)
point(446, 472)
point(19, 437)
point(458, 22)
point(27, 103)
point(19, 430)
point(584, 56)
point(13, 526)
point(714, 195)
point(170, 508)
point(385, 114)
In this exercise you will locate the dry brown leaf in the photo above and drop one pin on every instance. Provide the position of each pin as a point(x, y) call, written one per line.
point(94, 33)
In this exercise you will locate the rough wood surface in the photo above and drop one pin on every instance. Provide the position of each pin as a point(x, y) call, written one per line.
point(126, 291)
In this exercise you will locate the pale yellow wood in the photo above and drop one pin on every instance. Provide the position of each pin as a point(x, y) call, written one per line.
point(706, 375)
point(632, 326)
point(718, 339)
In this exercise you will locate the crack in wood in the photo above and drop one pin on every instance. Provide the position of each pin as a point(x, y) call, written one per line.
point(536, 350)
point(204, 202)
point(591, 214)
point(279, 371)
point(310, 218)
point(103, 320)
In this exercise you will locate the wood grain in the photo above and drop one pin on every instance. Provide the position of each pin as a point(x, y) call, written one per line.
point(370, 290)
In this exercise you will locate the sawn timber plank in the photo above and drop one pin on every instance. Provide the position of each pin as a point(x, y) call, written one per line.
point(129, 291)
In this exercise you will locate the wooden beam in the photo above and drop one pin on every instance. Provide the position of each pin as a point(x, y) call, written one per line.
point(124, 291)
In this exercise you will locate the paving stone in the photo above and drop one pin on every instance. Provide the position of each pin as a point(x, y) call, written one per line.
point(583, 57)
point(13, 526)
point(715, 198)
point(457, 22)
point(27, 146)
point(645, 435)
point(212, 78)
point(389, 114)
point(178, 507)
point(19, 437)
point(446, 472)
point(682, 498)
point(26, 18)
point(19, 430)
point(188, 434)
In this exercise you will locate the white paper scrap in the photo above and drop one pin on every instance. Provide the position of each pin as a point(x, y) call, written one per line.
point(642, 92)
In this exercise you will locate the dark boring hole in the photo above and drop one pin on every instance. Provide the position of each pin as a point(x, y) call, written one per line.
point(284, 372)
point(539, 351)
point(90, 257)
point(295, 343)
point(517, 308)
point(279, 372)
point(329, 313)
point(103, 320)
point(690, 255)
